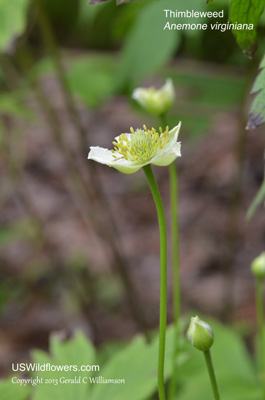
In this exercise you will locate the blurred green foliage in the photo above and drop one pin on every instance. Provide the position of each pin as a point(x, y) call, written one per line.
point(259, 198)
point(257, 111)
point(62, 15)
point(136, 363)
point(246, 12)
point(91, 78)
point(147, 47)
point(12, 21)
point(11, 103)
point(234, 368)
point(10, 391)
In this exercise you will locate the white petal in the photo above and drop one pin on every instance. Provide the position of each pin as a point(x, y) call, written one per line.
point(173, 134)
point(137, 93)
point(168, 88)
point(167, 156)
point(171, 151)
point(105, 156)
point(101, 155)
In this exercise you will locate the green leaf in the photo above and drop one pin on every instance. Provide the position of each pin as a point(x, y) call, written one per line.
point(147, 47)
point(259, 198)
point(257, 111)
point(11, 103)
point(12, 21)
point(76, 352)
point(230, 389)
point(137, 365)
point(202, 95)
point(9, 390)
point(246, 12)
point(91, 78)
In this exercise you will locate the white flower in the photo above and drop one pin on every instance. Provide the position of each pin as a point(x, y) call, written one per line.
point(156, 102)
point(134, 150)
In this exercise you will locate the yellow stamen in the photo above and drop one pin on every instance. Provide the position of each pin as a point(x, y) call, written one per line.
point(142, 145)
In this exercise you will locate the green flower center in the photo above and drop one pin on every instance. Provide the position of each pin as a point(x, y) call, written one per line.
point(142, 145)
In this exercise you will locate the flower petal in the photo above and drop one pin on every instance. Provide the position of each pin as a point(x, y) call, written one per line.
point(171, 151)
point(173, 135)
point(167, 156)
point(125, 166)
point(105, 156)
point(101, 155)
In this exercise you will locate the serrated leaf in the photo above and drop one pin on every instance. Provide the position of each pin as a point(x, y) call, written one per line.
point(12, 21)
point(257, 111)
point(137, 365)
point(259, 198)
point(246, 12)
point(9, 390)
point(76, 352)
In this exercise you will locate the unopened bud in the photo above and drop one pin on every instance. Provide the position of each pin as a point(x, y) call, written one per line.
point(258, 266)
point(156, 101)
point(200, 334)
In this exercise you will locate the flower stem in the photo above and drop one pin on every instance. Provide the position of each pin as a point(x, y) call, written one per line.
point(176, 280)
point(212, 376)
point(175, 239)
point(260, 315)
point(163, 278)
point(173, 177)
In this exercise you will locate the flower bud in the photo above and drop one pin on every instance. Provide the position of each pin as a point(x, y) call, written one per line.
point(200, 334)
point(258, 266)
point(156, 102)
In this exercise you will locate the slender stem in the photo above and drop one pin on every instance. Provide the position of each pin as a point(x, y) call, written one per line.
point(173, 175)
point(212, 376)
point(175, 238)
point(260, 315)
point(163, 278)
point(176, 279)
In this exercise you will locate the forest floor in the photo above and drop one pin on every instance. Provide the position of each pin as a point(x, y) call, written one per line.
point(219, 175)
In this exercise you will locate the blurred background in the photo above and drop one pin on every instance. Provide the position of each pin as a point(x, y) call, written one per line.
point(79, 242)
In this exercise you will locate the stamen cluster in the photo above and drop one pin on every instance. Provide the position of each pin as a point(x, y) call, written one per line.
point(141, 145)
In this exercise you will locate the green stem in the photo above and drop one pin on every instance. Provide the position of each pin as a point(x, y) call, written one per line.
point(176, 280)
point(260, 315)
point(163, 278)
point(212, 376)
point(173, 175)
point(175, 237)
